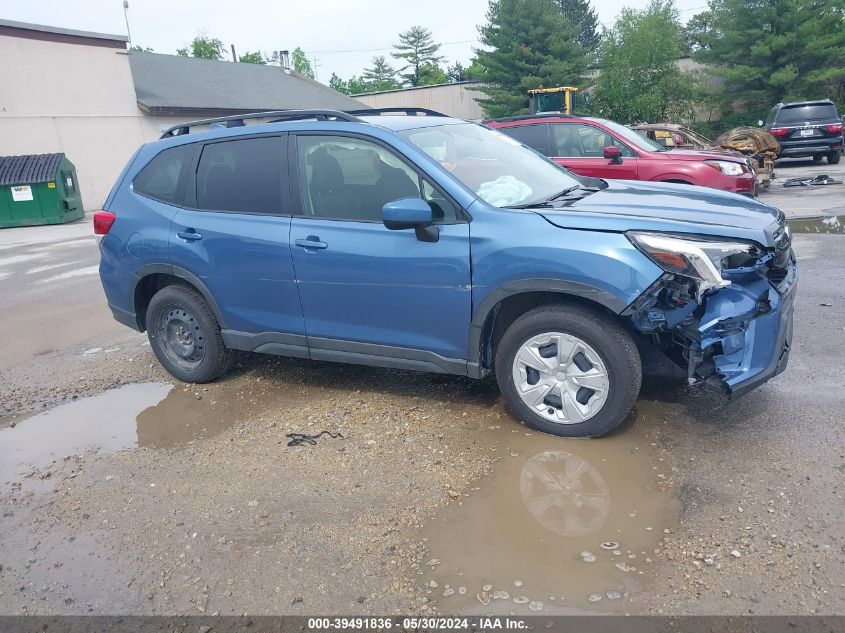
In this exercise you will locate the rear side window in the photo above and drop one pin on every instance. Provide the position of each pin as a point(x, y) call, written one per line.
point(243, 176)
point(806, 113)
point(164, 176)
point(534, 136)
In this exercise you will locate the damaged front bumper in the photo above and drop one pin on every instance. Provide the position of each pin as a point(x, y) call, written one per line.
point(731, 339)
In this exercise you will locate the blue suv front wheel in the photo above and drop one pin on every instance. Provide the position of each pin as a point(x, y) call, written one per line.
point(569, 370)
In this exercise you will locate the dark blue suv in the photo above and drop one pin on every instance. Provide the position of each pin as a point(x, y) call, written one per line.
point(416, 241)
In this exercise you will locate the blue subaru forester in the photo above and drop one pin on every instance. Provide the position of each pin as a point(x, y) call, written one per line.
point(412, 240)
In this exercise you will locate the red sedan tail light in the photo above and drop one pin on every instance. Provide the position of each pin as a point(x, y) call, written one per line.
point(778, 131)
point(834, 128)
point(103, 221)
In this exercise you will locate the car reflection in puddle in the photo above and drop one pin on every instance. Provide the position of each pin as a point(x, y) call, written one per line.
point(562, 526)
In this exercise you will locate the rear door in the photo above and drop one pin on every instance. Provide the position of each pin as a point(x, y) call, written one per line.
point(580, 148)
point(234, 235)
point(536, 136)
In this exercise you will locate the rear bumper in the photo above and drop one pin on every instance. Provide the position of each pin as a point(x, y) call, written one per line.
point(810, 147)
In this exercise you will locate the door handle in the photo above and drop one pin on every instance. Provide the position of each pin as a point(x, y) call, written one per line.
point(189, 235)
point(311, 242)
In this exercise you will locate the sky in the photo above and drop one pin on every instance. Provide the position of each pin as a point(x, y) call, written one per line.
point(338, 35)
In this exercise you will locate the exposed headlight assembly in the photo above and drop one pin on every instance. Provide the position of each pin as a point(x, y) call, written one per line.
point(726, 167)
point(701, 260)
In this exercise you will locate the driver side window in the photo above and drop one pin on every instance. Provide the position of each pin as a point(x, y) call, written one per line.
point(346, 178)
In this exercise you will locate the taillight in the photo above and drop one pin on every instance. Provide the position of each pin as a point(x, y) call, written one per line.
point(834, 128)
point(778, 131)
point(103, 221)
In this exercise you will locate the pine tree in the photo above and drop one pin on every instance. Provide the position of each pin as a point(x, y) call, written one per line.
point(768, 51)
point(381, 75)
point(581, 15)
point(532, 45)
point(417, 49)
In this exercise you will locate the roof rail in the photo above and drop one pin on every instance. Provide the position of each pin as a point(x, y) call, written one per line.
point(238, 120)
point(405, 111)
point(525, 117)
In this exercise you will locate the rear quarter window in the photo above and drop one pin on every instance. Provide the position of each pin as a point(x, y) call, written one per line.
point(534, 136)
point(806, 113)
point(164, 176)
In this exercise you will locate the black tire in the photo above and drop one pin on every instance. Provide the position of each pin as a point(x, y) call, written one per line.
point(609, 340)
point(833, 158)
point(817, 158)
point(179, 308)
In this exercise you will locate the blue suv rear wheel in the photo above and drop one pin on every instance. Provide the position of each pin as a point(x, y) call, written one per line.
point(185, 335)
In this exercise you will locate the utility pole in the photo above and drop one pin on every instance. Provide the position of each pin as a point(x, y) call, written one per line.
point(234, 56)
point(126, 17)
point(315, 63)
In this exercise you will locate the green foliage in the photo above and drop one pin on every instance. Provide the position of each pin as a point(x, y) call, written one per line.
point(768, 51)
point(531, 45)
point(204, 47)
point(581, 15)
point(141, 49)
point(640, 79)
point(252, 58)
point(432, 74)
point(301, 64)
point(380, 76)
point(456, 72)
point(418, 51)
point(698, 32)
point(336, 83)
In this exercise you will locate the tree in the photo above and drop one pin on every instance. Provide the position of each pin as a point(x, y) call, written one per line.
point(456, 72)
point(380, 76)
point(432, 75)
point(640, 79)
point(581, 15)
point(301, 64)
point(698, 32)
point(531, 45)
point(252, 58)
point(417, 49)
point(336, 83)
point(141, 49)
point(204, 47)
point(768, 51)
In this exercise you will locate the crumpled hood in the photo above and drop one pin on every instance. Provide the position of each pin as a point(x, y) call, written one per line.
point(626, 205)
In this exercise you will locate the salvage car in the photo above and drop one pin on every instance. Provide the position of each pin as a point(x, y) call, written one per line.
point(419, 241)
point(604, 149)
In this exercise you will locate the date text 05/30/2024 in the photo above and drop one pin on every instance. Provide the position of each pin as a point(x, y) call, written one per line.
point(416, 624)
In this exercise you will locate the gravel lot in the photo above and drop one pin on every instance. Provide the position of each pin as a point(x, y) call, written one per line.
point(120, 497)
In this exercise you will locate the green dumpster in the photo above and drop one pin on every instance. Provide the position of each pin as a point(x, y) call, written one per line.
point(38, 189)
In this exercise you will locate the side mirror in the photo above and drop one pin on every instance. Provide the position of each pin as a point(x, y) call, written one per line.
point(759, 122)
point(613, 154)
point(411, 213)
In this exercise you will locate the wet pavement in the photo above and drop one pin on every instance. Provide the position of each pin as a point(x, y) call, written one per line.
point(561, 525)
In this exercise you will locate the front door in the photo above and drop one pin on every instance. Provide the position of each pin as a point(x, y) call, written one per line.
point(370, 294)
point(580, 148)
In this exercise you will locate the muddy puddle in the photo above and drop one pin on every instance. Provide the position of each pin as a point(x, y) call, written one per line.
point(828, 224)
point(562, 526)
point(138, 415)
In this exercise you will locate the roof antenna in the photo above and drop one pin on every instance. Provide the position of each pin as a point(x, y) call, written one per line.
point(126, 17)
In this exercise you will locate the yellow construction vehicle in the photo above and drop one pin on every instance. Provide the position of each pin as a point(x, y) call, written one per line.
point(558, 99)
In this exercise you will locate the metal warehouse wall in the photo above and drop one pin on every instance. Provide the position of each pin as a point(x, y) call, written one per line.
point(455, 99)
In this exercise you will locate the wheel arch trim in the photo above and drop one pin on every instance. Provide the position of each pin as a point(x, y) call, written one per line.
point(180, 273)
point(494, 298)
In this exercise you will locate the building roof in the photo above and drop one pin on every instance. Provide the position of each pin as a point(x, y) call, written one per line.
point(58, 34)
point(174, 85)
point(29, 169)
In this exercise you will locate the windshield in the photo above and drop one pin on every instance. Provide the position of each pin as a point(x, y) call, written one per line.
point(500, 170)
point(806, 113)
point(632, 137)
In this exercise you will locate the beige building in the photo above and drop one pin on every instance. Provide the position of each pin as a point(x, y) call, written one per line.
point(455, 99)
point(84, 94)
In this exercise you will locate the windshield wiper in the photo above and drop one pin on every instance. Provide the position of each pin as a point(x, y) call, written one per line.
point(531, 205)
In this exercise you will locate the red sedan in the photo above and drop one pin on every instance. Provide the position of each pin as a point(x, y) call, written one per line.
point(604, 149)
